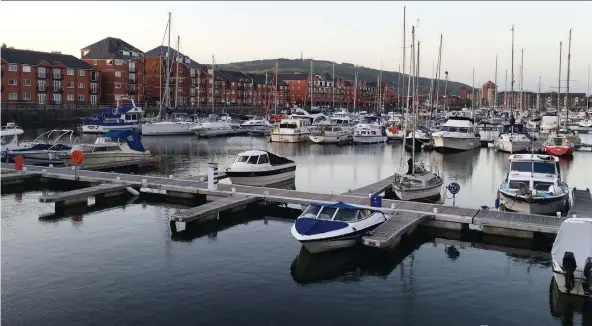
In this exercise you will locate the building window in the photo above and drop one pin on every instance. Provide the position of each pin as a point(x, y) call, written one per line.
point(41, 98)
point(26, 82)
point(81, 73)
point(94, 62)
point(81, 97)
point(26, 69)
point(70, 85)
point(12, 67)
point(93, 99)
point(70, 97)
point(70, 72)
point(117, 73)
point(80, 85)
point(12, 96)
point(180, 70)
point(57, 84)
point(12, 82)
point(118, 62)
point(117, 85)
point(57, 98)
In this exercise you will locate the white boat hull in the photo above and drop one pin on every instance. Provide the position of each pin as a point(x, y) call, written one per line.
point(416, 194)
point(98, 129)
point(215, 132)
point(266, 180)
point(105, 158)
point(289, 138)
point(550, 208)
point(330, 139)
point(376, 139)
point(316, 247)
point(512, 146)
point(158, 129)
point(442, 143)
point(578, 288)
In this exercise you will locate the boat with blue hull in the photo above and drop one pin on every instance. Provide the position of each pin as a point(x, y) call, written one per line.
point(326, 227)
point(43, 149)
point(119, 117)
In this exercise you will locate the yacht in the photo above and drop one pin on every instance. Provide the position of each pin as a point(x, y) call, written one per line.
point(549, 122)
point(113, 146)
point(559, 145)
point(9, 135)
point(585, 123)
point(45, 148)
point(370, 130)
point(180, 124)
point(421, 137)
point(114, 118)
point(331, 134)
point(417, 184)
point(326, 227)
point(457, 134)
point(533, 185)
point(260, 168)
point(256, 126)
point(215, 125)
point(572, 257)
point(513, 139)
point(293, 130)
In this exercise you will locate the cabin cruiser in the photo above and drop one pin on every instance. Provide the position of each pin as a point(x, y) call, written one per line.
point(370, 130)
point(420, 137)
point(457, 134)
point(572, 257)
point(260, 168)
point(559, 145)
point(534, 185)
point(114, 118)
point(326, 227)
point(293, 130)
point(331, 134)
point(257, 126)
point(417, 184)
point(549, 122)
point(215, 125)
point(394, 132)
point(113, 146)
point(45, 148)
point(9, 136)
point(513, 139)
point(180, 124)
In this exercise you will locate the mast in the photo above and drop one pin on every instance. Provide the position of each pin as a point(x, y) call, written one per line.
point(416, 102)
point(333, 84)
point(431, 93)
point(567, 87)
point(438, 76)
point(213, 83)
point(168, 67)
point(446, 92)
point(588, 100)
point(311, 84)
point(522, 80)
point(265, 91)
point(410, 70)
point(177, 71)
point(380, 89)
point(399, 85)
point(404, 61)
point(512, 82)
point(355, 88)
point(506, 91)
point(539, 97)
point(559, 83)
point(412, 80)
point(473, 86)
point(276, 88)
point(495, 85)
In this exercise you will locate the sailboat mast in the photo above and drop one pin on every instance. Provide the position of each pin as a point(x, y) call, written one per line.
point(495, 85)
point(438, 76)
point(410, 70)
point(431, 93)
point(168, 67)
point(276, 88)
point(512, 81)
point(311, 84)
point(380, 89)
point(355, 88)
point(416, 102)
point(539, 97)
point(559, 83)
point(412, 80)
point(522, 79)
point(588, 101)
point(213, 83)
point(567, 87)
point(506, 91)
point(333, 84)
point(399, 85)
point(404, 61)
point(473, 86)
point(177, 71)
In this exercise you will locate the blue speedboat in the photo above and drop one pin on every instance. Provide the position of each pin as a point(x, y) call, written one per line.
point(122, 117)
point(325, 227)
point(45, 148)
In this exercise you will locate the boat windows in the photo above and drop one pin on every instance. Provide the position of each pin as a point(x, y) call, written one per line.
point(263, 159)
point(9, 139)
point(518, 184)
point(543, 186)
point(463, 130)
point(253, 159)
point(445, 128)
point(311, 211)
point(346, 215)
point(327, 213)
point(536, 167)
point(242, 159)
point(364, 213)
point(452, 129)
point(288, 126)
point(106, 149)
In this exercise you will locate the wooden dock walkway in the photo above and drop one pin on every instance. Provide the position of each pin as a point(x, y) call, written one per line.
point(373, 188)
point(389, 233)
point(140, 163)
point(83, 193)
point(210, 210)
point(582, 203)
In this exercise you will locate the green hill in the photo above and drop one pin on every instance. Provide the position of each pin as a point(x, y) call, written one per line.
point(344, 70)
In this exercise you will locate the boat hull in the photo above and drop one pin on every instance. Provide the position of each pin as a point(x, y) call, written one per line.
point(559, 150)
point(39, 157)
point(376, 139)
point(260, 179)
point(578, 287)
point(289, 138)
point(418, 194)
point(217, 132)
point(106, 158)
point(161, 129)
point(98, 129)
point(419, 142)
point(508, 146)
point(545, 206)
point(454, 144)
point(339, 242)
point(342, 139)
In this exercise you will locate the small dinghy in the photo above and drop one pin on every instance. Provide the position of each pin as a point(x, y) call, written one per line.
point(572, 257)
point(260, 168)
point(326, 227)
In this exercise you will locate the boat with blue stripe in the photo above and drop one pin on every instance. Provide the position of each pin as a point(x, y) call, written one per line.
point(326, 227)
point(122, 117)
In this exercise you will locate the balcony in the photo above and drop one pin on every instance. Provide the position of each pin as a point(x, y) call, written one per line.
point(41, 75)
point(94, 77)
point(41, 89)
point(58, 76)
point(132, 81)
point(58, 90)
point(93, 90)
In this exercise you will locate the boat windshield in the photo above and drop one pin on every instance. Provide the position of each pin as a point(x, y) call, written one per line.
point(311, 211)
point(536, 167)
point(242, 158)
point(347, 215)
point(263, 159)
point(8, 139)
point(327, 213)
point(288, 125)
point(253, 159)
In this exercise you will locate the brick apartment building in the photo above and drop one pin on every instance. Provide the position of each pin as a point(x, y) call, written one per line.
point(34, 77)
point(121, 66)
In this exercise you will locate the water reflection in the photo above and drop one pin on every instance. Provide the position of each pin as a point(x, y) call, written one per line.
point(565, 307)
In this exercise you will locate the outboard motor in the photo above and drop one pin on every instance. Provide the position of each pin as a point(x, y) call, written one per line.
point(587, 276)
point(569, 267)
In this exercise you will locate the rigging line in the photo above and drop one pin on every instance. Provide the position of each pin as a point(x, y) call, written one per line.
point(156, 65)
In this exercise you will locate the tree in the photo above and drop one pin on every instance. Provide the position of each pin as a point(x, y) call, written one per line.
point(4, 45)
point(327, 75)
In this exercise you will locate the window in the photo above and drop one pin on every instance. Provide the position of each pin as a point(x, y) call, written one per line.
point(12, 67)
point(346, 215)
point(81, 97)
point(117, 85)
point(57, 84)
point(81, 73)
point(180, 70)
point(80, 85)
point(327, 213)
point(536, 167)
point(57, 73)
point(263, 159)
point(118, 62)
point(12, 96)
point(26, 68)
point(70, 85)
point(57, 98)
point(12, 82)
point(311, 211)
point(26, 82)
point(70, 97)
point(241, 159)
point(26, 96)
point(94, 62)
point(41, 98)
point(117, 73)
point(93, 99)
point(70, 72)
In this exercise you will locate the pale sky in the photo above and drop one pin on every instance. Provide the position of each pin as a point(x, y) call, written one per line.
point(363, 33)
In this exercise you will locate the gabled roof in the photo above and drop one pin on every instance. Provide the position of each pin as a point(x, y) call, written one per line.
point(34, 58)
point(234, 76)
point(292, 76)
point(162, 50)
point(108, 48)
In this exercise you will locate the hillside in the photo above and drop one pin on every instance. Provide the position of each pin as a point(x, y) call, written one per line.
point(344, 70)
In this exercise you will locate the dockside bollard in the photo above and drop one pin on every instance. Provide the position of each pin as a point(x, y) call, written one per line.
point(212, 171)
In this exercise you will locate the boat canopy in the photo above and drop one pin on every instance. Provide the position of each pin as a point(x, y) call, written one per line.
point(131, 136)
point(574, 236)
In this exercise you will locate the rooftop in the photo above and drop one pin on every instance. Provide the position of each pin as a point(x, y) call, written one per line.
point(162, 50)
point(110, 47)
point(34, 58)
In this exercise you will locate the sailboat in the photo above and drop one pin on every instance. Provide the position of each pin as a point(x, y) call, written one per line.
point(418, 183)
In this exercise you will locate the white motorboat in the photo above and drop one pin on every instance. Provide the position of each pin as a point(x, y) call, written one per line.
point(45, 148)
point(457, 134)
point(549, 122)
point(513, 139)
point(572, 257)
point(9, 135)
point(293, 130)
point(394, 132)
point(113, 146)
point(215, 125)
point(326, 227)
point(533, 185)
point(256, 126)
point(370, 130)
point(417, 184)
point(162, 128)
point(119, 117)
point(260, 168)
point(331, 134)
point(421, 137)
point(585, 123)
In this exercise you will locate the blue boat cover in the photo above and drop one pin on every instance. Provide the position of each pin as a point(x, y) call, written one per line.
point(339, 204)
point(132, 136)
point(312, 226)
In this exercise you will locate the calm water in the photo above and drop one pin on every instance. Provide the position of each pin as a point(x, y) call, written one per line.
point(123, 266)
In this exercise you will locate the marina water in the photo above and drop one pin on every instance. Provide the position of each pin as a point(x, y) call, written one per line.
point(123, 266)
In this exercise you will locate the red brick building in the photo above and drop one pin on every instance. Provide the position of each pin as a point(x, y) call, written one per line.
point(35, 77)
point(488, 93)
point(121, 66)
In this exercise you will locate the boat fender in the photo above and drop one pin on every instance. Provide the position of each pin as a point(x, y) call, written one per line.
point(587, 276)
point(569, 267)
point(497, 203)
point(132, 191)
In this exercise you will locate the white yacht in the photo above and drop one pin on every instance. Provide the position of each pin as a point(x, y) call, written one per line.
point(420, 137)
point(256, 126)
point(585, 123)
point(293, 130)
point(549, 122)
point(114, 146)
point(572, 257)
point(162, 128)
point(533, 185)
point(215, 125)
point(457, 134)
point(326, 227)
point(260, 168)
point(417, 184)
point(331, 134)
point(513, 139)
point(370, 130)
point(395, 132)
point(9, 135)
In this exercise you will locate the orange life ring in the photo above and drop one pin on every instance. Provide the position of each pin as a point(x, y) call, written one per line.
point(77, 157)
point(299, 138)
